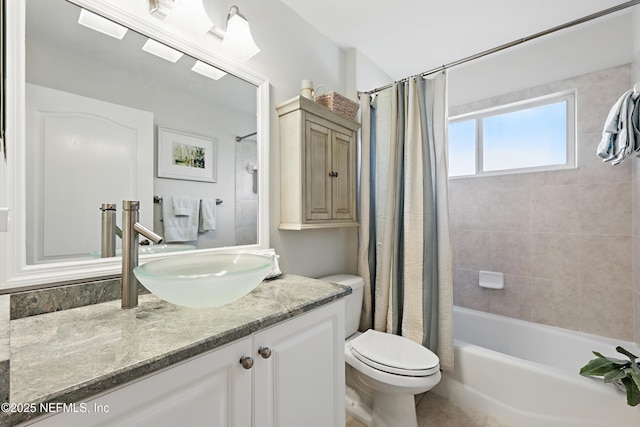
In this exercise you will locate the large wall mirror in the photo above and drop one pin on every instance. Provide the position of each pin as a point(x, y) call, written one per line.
point(101, 119)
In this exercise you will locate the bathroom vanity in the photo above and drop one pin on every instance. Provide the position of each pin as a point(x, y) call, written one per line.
point(273, 358)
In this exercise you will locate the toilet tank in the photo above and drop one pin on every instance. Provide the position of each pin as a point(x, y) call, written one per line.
point(353, 301)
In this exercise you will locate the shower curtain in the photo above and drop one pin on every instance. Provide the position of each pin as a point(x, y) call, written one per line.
point(404, 252)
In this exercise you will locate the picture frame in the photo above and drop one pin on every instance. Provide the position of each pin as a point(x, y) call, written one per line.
point(187, 156)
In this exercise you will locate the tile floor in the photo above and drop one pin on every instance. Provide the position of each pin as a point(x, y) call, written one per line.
point(436, 411)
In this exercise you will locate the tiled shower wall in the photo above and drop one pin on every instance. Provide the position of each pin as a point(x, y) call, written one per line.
point(563, 239)
point(636, 185)
point(246, 198)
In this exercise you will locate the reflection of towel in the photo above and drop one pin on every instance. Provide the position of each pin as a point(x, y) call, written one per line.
point(182, 205)
point(183, 227)
point(207, 215)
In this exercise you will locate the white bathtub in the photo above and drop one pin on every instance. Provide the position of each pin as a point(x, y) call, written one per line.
point(526, 375)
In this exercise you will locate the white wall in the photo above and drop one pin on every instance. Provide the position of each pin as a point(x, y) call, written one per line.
point(291, 51)
point(362, 74)
point(589, 47)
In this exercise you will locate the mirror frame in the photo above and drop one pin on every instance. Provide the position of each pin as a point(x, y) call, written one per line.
point(15, 274)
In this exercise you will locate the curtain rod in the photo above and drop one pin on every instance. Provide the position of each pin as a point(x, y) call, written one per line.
point(570, 24)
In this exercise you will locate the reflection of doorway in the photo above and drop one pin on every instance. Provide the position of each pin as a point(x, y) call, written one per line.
point(82, 152)
point(246, 192)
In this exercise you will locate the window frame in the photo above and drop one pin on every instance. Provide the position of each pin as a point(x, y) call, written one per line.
point(568, 96)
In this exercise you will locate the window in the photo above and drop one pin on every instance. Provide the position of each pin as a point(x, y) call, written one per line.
point(532, 135)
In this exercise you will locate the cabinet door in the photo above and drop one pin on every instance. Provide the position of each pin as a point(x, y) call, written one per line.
point(318, 167)
point(302, 382)
point(211, 390)
point(343, 184)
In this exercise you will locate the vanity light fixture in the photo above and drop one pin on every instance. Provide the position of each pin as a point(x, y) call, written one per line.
point(191, 17)
point(188, 16)
point(100, 24)
point(160, 8)
point(162, 51)
point(237, 41)
point(208, 70)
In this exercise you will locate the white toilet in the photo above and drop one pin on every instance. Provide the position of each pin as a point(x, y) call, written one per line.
point(383, 371)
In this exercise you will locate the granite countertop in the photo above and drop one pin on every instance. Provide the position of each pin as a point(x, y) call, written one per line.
point(70, 355)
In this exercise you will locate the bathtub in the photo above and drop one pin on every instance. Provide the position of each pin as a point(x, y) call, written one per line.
point(526, 375)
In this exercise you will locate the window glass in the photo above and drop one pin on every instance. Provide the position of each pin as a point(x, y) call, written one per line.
point(525, 138)
point(531, 135)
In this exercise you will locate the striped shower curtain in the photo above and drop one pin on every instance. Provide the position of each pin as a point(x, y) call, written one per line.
point(404, 250)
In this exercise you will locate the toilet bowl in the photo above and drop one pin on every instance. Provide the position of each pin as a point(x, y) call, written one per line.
point(383, 371)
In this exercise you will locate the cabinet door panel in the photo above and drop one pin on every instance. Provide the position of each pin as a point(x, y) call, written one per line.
point(302, 383)
point(212, 390)
point(318, 165)
point(344, 183)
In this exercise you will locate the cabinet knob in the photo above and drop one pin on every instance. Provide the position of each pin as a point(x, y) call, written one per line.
point(246, 362)
point(333, 174)
point(265, 352)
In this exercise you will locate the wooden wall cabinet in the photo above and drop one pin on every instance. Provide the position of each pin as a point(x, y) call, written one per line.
point(317, 166)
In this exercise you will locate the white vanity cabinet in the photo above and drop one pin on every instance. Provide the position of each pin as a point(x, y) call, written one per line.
point(302, 382)
point(209, 390)
point(317, 166)
point(295, 378)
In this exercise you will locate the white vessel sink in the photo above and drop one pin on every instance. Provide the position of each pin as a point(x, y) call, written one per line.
point(153, 249)
point(203, 280)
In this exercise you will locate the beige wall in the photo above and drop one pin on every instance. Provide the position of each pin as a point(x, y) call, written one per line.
point(562, 239)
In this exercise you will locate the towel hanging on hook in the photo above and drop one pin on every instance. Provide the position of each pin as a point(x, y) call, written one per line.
point(621, 134)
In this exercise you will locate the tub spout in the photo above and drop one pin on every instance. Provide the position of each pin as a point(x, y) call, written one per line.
point(131, 228)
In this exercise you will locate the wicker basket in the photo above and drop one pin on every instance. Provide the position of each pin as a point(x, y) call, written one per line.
point(340, 104)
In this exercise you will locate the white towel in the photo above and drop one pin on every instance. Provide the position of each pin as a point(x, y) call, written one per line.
point(182, 205)
point(183, 227)
point(618, 138)
point(207, 215)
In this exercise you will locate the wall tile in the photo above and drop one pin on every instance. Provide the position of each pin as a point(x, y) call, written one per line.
point(553, 209)
point(605, 208)
point(636, 265)
point(511, 252)
point(511, 209)
point(470, 294)
point(555, 256)
point(635, 196)
point(555, 303)
point(606, 260)
point(594, 171)
point(473, 250)
point(636, 306)
point(514, 300)
point(470, 209)
point(604, 311)
point(562, 177)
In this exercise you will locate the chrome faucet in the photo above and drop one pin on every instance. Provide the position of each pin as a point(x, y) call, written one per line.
point(130, 230)
point(109, 230)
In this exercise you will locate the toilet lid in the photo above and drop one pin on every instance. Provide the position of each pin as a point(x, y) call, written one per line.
point(394, 354)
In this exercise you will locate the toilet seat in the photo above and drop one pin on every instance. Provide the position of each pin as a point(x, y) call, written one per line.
point(394, 354)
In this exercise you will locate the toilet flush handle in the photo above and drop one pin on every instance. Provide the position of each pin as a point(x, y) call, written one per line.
point(265, 352)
